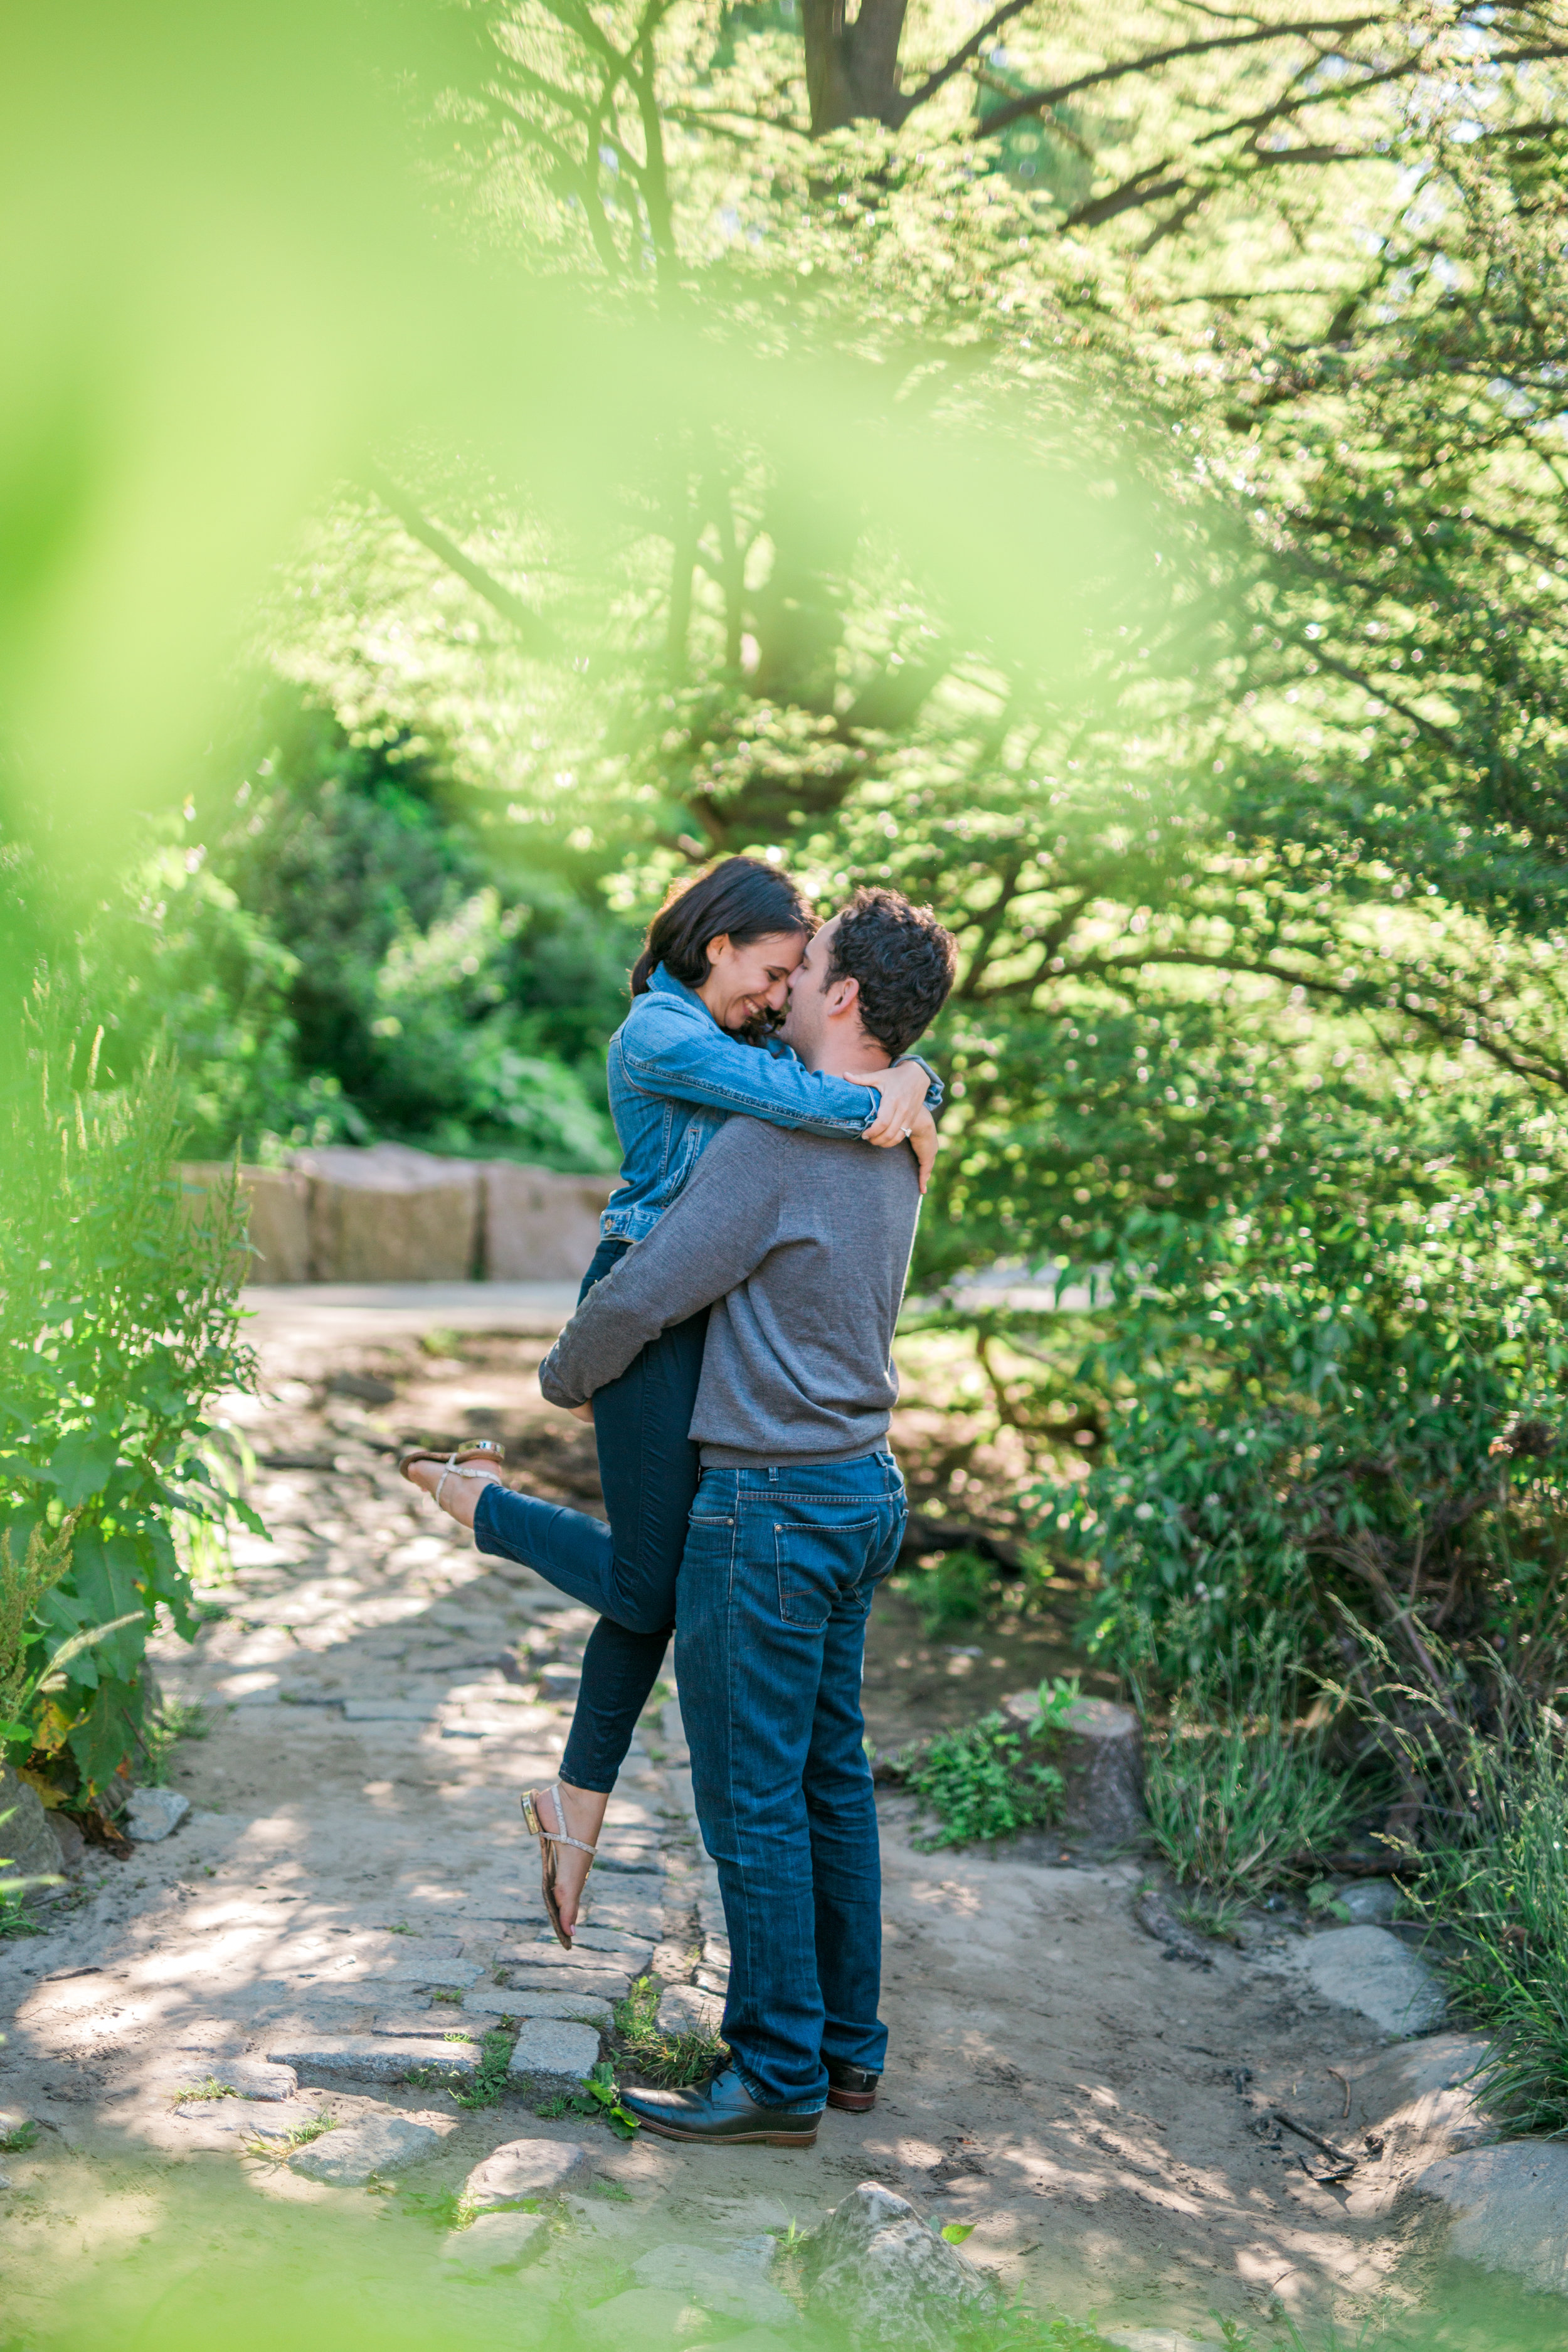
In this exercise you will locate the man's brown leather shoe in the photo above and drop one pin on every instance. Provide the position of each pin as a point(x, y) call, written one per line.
point(851, 2087)
point(720, 2114)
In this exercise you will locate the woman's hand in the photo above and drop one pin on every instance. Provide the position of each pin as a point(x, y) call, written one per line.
point(925, 1143)
point(585, 1412)
point(900, 1093)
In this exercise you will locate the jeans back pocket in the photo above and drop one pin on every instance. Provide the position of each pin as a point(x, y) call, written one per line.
point(820, 1555)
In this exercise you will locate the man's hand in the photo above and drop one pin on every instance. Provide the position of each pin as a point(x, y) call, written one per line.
point(585, 1412)
point(901, 1093)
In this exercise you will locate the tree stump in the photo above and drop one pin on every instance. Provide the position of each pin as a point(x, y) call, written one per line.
point(1100, 1752)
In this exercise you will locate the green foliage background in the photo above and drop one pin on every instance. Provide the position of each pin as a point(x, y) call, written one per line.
point(1103, 476)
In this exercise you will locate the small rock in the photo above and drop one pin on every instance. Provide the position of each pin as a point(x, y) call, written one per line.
point(496, 2242)
point(552, 2056)
point(1368, 1901)
point(889, 2279)
point(251, 2078)
point(1368, 1969)
point(151, 1814)
point(758, 2253)
point(70, 1841)
point(643, 2317)
point(1509, 2205)
point(687, 2009)
point(528, 2168)
point(373, 2058)
point(5, 2180)
point(730, 2289)
point(348, 2155)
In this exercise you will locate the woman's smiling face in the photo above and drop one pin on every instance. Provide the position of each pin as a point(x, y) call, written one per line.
point(749, 980)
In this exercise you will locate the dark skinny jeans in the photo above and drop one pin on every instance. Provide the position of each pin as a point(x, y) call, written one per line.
point(649, 1469)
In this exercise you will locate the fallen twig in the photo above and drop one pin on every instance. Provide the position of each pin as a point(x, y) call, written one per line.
point(1343, 2080)
point(1303, 2131)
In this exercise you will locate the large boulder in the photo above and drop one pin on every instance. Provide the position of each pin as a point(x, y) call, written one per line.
point(1368, 1969)
point(390, 1214)
point(1509, 2209)
point(1099, 1750)
point(539, 1226)
point(879, 2272)
point(277, 1201)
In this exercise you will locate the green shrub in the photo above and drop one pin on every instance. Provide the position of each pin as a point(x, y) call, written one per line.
point(1341, 1385)
point(979, 1782)
point(340, 944)
point(950, 1589)
point(118, 1322)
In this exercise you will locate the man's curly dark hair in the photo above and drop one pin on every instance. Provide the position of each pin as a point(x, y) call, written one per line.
point(903, 960)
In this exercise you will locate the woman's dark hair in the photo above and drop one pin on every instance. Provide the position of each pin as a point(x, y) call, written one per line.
point(740, 896)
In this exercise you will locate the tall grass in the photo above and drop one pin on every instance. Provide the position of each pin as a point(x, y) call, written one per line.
point(1499, 1885)
point(1238, 1795)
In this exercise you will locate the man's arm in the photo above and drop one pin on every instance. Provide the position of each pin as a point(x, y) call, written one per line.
point(714, 1236)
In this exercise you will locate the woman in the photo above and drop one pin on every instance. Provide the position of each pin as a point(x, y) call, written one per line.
point(713, 973)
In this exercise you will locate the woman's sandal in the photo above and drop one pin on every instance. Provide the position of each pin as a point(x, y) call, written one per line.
point(548, 1840)
point(483, 1450)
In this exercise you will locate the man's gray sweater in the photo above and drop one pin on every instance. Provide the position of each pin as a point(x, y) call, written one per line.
point(800, 1243)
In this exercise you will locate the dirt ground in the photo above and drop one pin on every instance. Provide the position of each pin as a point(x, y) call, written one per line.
point(378, 1695)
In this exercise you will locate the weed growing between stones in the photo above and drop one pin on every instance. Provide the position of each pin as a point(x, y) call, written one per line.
point(979, 1784)
point(599, 2096)
point(14, 2142)
point(490, 2075)
point(209, 2089)
point(1219, 1915)
point(449, 2209)
point(663, 2059)
point(284, 2145)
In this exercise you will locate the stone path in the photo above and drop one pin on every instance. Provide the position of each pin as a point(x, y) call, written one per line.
point(349, 1906)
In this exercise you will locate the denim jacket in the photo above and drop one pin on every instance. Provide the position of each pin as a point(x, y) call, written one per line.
point(675, 1076)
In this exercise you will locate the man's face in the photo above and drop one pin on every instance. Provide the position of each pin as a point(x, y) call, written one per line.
point(806, 1022)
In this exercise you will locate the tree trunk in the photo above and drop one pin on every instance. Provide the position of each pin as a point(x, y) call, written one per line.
point(852, 70)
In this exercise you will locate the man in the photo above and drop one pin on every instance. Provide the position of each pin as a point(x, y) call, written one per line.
point(802, 1242)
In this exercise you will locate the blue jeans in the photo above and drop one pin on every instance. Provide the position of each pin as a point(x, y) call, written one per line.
point(773, 1595)
point(649, 1469)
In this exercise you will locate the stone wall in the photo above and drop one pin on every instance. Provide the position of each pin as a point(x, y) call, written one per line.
point(390, 1214)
